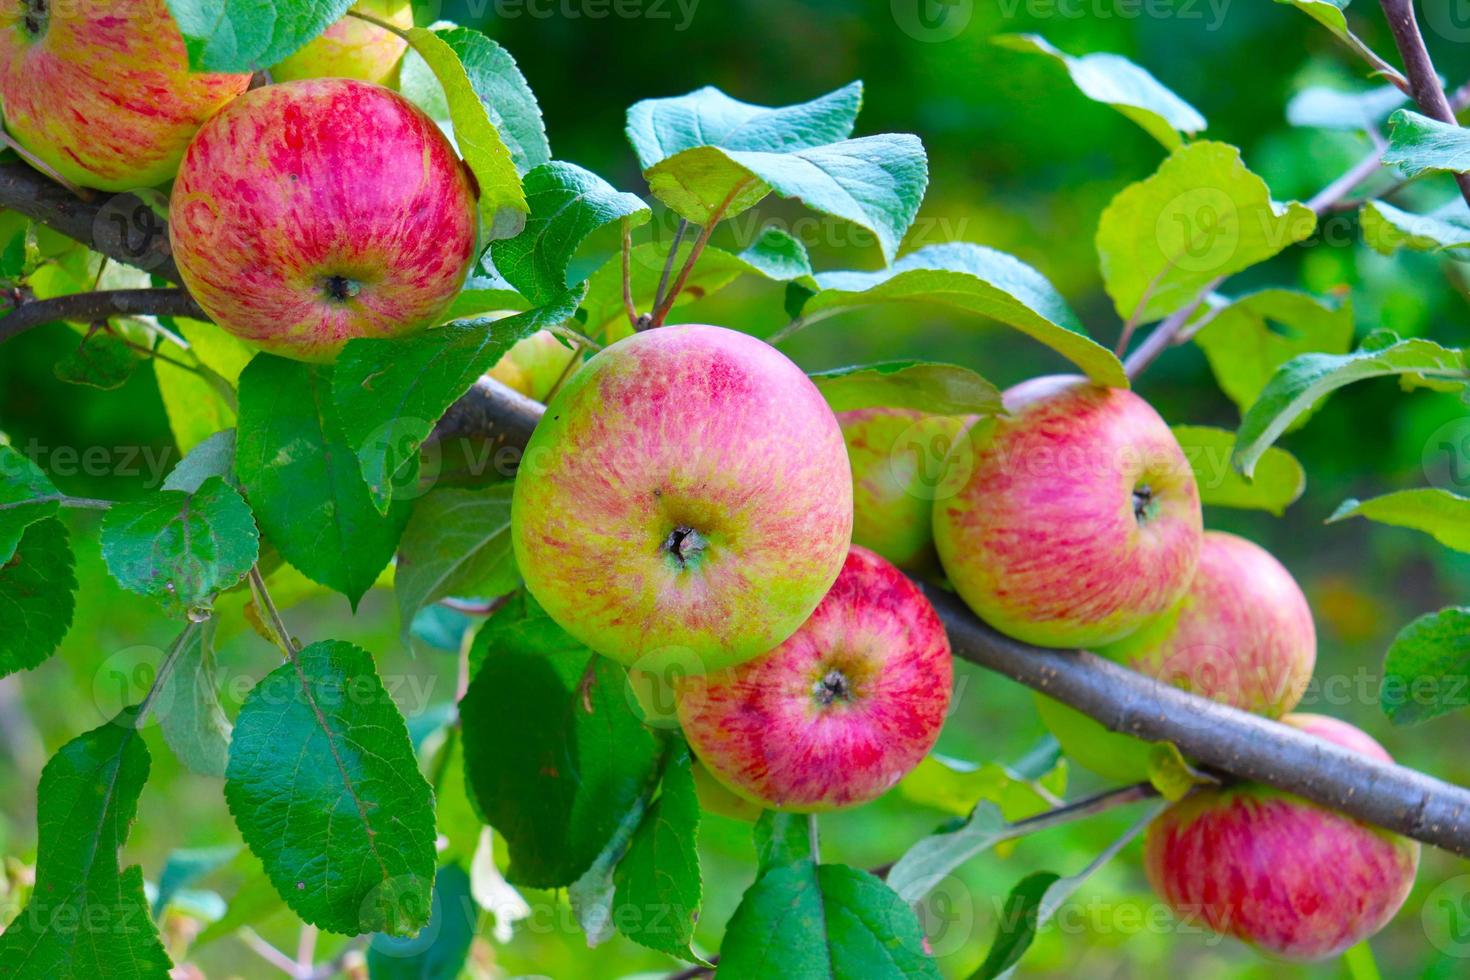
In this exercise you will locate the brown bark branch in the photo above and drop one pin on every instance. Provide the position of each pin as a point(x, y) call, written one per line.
point(91, 307)
point(1424, 83)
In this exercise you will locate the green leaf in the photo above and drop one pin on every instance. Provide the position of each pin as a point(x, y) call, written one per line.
point(1278, 481)
point(214, 456)
point(181, 548)
point(829, 920)
point(1329, 108)
point(778, 256)
point(100, 360)
point(1328, 13)
point(304, 482)
point(957, 787)
point(1418, 144)
point(1248, 339)
point(324, 786)
point(502, 200)
point(1115, 81)
point(1202, 215)
point(505, 94)
point(457, 543)
point(977, 280)
point(940, 389)
point(1303, 381)
point(389, 393)
point(188, 709)
point(87, 917)
point(591, 896)
point(782, 838)
point(26, 497)
point(248, 35)
point(440, 951)
point(874, 182)
point(932, 858)
point(657, 882)
point(186, 866)
point(37, 596)
point(662, 128)
point(567, 204)
point(1387, 229)
point(554, 752)
point(1444, 515)
point(1426, 672)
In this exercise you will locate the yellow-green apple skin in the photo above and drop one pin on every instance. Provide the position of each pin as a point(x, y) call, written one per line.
point(1288, 876)
point(1076, 521)
point(534, 365)
point(309, 213)
point(685, 500)
point(841, 711)
point(1242, 635)
point(101, 92)
point(353, 48)
point(897, 458)
point(715, 797)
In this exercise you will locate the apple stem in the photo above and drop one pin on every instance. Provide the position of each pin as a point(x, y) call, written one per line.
point(662, 309)
point(663, 280)
point(628, 307)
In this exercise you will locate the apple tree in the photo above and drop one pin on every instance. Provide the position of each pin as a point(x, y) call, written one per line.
point(405, 349)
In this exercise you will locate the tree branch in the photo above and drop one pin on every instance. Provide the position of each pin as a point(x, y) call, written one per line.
point(91, 307)
point(1423, 81)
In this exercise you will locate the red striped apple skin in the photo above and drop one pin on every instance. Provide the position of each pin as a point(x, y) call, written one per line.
point(313, 212)
point(1043, 537)
point(101, 91)
point(1285, 875)
point(842, 710)
point(685, 501)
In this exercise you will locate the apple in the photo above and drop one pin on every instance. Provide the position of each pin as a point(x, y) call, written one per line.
point(1286, 875)
point(685, 502)
point(353, 47)
point(101, 92)
point(715, 797)
point(534, 365)
point(1242, 635)
point(312, 212)
point(841, 711)
point(897, 458)
point(1075, 520)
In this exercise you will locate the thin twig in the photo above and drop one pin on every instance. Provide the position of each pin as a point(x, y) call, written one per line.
point(164, 669)
point(576, 337)
point(628, 307)
point(266, 951)
point(662, 309)
point(263, 596)
point(1424, 83)
point(663, 279)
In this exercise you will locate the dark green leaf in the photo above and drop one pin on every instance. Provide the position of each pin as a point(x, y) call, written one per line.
point(181, 548)
point(100, 360)
point(1115, 81)
point(1426, 672)
point(591, 896)
point(440, 950)
point(456, 544)
point(1437, 512)
point(1418, 144)
point(781, 838)
point(555, 754)
point(88, 918)
point(1019, 920)
point(567, 204)
point(188, 709)
point(1277, 483)
point(323, 784)
point(304, 482)
point(1202, 215)
point(657, 882)
point(829, 920)
point(940, 389)
point(1303, 381)
point(37, 596)
point(977, 280)
point(186, 866)
point(26, 496)
point(248, 35)
point(389, 393)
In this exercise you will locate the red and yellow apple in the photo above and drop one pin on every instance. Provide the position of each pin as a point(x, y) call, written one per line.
point(1286, 875)
point(897, 458)
point(101, 92)
point(353, 47)
point(1078, 520)
point(313, 212)
point(1242, 635)
point(534, 365)
point(841, 711)
point(715, 797)
point(685, 501)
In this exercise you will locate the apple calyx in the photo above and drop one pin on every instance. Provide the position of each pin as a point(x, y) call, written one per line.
point(340, 289)
point(1145, 504)
point(684, 545)
point(37, 16)
point(831, 687)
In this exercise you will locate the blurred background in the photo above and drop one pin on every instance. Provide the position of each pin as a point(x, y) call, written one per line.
point(1019, 161)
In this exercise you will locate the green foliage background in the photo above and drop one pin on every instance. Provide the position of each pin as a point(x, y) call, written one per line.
point(1018, 161)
